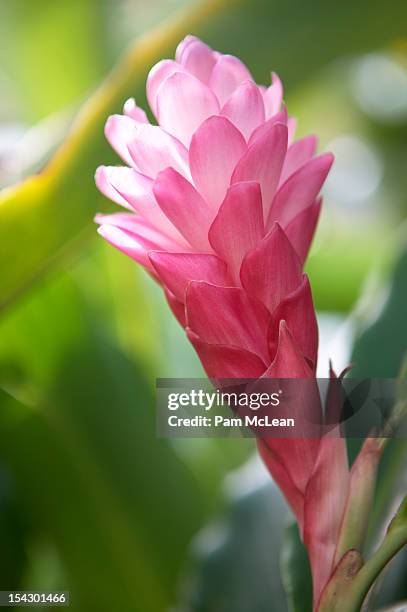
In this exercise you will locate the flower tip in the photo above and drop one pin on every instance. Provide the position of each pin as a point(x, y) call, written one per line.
point(284, 337)
point(346, 370)
point(109, 121)
point(154, 257)
point(277, 229)
point(192, 336)
point(283, 329)
point(129, 105)
point(98, 218)
point(99, 171)
point(275, 78)
point(101, 175)
point(110, 126)
point(330, 157)
point(189, 38)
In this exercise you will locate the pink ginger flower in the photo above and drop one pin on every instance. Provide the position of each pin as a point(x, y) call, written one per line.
point(222, 205)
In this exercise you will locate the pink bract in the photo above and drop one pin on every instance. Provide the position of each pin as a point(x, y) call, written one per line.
point(217, 193)
point(221, 205)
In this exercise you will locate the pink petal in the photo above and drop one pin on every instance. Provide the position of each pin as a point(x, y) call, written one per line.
point(153, 150)
point(226, 315)
point(298, 153)
point(196, 57)
point(134, 236)
point(300, 231)
point(273, 96)
point(157, 76)
point(136, 191)
point(226, 361)
point(184, 207)
point(245, 108)
point(263, 163)
point(177, 270)
point(238, 226)
point(324, 504)
point(227, 75)
point(185, 42)
point(119, 130)
point(127, 243)
point(297, 310)
point(141, 229)
point(183, 103)
point(130, 109)
point(177, 307)
point(103, 184)
point(292, 127)
point(127, 183)
point(298, 455)
point(215, 149)
point(289, 361)
point(272, 270)
point(300, 190)
point(282, 477)
point(280, 117)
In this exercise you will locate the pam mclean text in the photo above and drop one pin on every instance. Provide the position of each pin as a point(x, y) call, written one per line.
point(221, 421)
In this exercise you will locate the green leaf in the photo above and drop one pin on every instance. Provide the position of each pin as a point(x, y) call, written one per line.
point(46, 38)
point(379, 351)
point(296, 572)
point(14, 532)
point(81, 451)
point(340, 263)
point(237, 558)
point(399, 607)
point(400, 519)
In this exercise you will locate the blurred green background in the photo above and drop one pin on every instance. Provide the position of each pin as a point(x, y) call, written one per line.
point(90, 500)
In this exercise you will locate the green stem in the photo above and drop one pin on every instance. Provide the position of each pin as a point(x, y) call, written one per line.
point(358, 589)
point(360, 496)
point(352, 580)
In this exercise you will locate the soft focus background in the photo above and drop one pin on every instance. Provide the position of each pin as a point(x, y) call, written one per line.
point(90, 500)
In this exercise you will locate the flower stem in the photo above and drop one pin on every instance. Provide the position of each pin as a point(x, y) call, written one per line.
point(361, 584)
point(347, 589)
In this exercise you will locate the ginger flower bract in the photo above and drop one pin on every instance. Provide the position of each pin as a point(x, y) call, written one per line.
point(220, 204)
